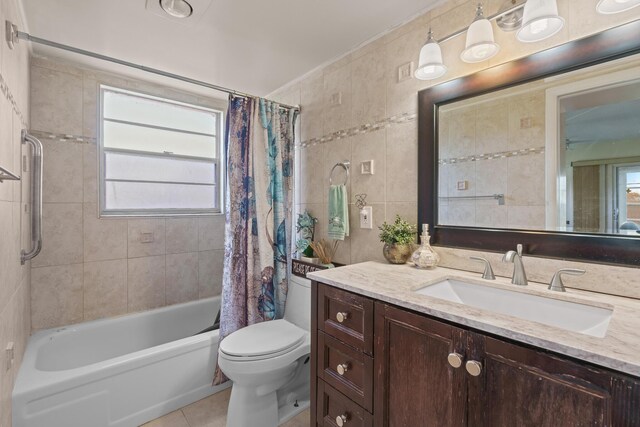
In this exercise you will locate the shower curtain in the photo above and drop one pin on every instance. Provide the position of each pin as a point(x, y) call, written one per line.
point(259, 155)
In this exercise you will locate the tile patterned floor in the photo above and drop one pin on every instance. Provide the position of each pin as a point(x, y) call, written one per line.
point(212, 412)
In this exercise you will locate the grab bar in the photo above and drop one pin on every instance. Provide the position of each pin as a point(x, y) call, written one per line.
point(36, 198)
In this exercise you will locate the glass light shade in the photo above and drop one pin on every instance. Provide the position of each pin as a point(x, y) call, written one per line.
point(539, 21)
point(607, 7)
point(430, 65)
point(176, 8)
point(480, 44)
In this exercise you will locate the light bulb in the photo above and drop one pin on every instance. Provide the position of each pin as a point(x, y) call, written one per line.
point(607, 7)
point(539, 26)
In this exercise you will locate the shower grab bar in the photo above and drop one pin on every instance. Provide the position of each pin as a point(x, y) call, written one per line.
point(6, 175)
point(498, 197)
point(36, 198)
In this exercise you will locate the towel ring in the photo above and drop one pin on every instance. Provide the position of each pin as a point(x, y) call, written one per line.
point(345, 165)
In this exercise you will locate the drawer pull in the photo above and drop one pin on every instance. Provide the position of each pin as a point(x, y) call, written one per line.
point(474, 368)
point(341, 316)
point(342, 368)
point(455, 359)
point(341, 420)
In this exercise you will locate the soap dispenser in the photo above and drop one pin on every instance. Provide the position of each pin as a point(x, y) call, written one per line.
point(425, 256)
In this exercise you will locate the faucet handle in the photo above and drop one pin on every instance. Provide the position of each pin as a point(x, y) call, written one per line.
point(488, 271)
point(556, 282)
point(519, 249)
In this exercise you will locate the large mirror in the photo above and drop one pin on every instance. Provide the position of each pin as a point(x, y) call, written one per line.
point(544, 151)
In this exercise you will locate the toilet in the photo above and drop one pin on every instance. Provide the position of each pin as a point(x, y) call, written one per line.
point(268, 363)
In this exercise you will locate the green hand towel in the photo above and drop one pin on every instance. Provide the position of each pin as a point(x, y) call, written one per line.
point(338, 212)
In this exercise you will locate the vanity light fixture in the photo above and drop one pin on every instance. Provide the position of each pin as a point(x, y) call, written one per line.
point(607, 7)
point(540, 20)
point(430, 65)
point(177, 8)
point(480, 44)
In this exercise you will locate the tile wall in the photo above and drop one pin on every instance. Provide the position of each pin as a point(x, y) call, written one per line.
point(91, 268)
point(506, 137)
point(15, 282)
point(376, 116)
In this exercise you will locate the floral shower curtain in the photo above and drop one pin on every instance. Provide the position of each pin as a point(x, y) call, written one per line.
point(259, 151)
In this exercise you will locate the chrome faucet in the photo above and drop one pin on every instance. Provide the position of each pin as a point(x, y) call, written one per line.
point(556, 282)
point(519, 276)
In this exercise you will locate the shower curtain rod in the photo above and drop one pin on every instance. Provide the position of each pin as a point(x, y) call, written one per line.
point(26, 36)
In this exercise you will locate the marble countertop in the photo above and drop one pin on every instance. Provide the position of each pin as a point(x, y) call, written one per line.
point(395, 284)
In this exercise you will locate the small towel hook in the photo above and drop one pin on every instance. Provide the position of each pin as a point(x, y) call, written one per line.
point(345, 165)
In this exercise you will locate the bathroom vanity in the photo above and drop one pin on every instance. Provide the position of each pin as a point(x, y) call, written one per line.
point(387, 353)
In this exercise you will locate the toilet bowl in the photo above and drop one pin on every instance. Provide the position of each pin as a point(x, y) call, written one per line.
point(268, 363)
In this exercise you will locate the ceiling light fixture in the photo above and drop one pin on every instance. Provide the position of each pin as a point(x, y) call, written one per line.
point(430, 65)
point(607, 7)
point(177, 8)
point(480, 44)
point(539, 21)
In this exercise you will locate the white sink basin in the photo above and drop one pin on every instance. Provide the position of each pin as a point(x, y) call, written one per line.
point(582, 318)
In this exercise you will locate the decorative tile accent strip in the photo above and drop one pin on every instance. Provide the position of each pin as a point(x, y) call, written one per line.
point(63, 137)
point(490, 156)
point(4, 88)
point(362, 129)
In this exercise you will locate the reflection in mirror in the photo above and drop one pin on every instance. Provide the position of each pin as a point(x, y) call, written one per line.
point(560, 154)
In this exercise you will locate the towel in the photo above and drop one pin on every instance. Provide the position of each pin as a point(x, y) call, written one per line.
point(338, 212)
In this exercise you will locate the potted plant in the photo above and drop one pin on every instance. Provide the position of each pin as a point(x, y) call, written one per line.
point(306, 226)
point(398, 238)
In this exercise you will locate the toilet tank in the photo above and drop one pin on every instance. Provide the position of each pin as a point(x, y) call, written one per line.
point(298, 306)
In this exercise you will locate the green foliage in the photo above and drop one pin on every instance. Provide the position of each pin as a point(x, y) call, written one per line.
point(400, 231)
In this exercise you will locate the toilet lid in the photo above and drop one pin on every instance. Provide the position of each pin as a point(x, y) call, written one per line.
point(261, 339)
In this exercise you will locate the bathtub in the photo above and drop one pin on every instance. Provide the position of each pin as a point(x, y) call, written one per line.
point(118, 372)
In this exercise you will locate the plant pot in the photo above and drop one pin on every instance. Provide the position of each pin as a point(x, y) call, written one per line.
point(397, 253)
point(311, 260)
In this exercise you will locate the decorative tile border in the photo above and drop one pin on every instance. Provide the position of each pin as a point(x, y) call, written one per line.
point(59, 137)
point(362, 129)
point(490, 156)
point(4, 88)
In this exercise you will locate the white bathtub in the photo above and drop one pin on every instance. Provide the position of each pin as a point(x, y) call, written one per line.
point(118, 372)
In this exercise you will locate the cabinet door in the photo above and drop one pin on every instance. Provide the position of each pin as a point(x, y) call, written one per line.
point(520, 386)
point(415, 385)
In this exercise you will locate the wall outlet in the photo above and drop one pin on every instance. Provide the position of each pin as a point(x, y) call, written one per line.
point(366, 167)
point(335, 99)
point(405, 71)
point(366, 217)
point(526, 123)
point(9, 356)
point(146, 238)
point(462, 185)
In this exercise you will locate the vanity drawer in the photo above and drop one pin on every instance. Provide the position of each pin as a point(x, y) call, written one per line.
point(347, 370)
point(347, 317)
point(332, 404)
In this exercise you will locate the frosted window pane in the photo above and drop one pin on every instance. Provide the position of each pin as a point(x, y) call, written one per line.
point(143, 196)
point(138, 167)
point(131, 137)
point(132, 108)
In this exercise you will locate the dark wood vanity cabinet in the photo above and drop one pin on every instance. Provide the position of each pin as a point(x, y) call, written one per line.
point(408, 376)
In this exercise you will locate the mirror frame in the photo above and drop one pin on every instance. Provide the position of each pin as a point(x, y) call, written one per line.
point(615, 43)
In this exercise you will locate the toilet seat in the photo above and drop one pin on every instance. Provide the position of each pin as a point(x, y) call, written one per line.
point(262, 341)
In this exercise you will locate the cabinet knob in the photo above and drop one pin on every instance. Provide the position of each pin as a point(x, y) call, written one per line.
point(341, 420)
point(341, 316)
point(474, 368)
point(455, 359)
point(342, 368)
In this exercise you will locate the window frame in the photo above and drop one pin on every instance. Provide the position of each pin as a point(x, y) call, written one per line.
point(219, 164)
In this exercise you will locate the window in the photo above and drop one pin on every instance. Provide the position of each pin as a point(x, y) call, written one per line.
point(157, 156)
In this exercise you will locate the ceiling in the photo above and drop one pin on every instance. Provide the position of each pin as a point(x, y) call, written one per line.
point(609, 114)
point(254, 46)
